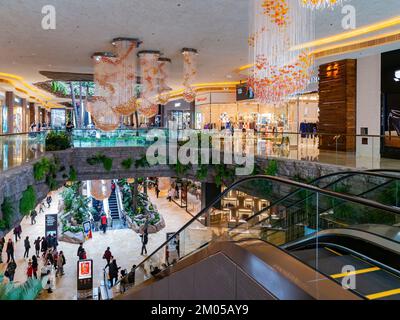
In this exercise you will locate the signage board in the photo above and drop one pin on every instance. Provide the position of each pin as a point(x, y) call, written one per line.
point(87, 230)
point(243, 92)
point(51, 224)
point(85, 278)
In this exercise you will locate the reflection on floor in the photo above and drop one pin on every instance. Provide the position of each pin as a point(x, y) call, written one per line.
point(125, 245)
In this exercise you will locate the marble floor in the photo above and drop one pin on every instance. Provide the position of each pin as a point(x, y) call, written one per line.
point(125, 245)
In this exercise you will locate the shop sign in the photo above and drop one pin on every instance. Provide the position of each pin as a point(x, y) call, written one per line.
point(203, 99)
point(85, 278)
point(51, 224)
point(223, 97)
point(87, 229)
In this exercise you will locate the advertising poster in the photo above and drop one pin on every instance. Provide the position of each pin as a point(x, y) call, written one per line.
point(87, 229)
point(85, 278)
point(51, 224)
point(172, 252)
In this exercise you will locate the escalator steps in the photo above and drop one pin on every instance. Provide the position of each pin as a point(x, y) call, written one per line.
point(371, 282)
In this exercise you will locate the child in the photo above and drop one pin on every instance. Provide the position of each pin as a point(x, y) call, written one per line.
point(29, 271)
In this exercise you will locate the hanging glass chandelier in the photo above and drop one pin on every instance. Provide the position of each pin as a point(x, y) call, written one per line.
point(320, 4)
point(189, 73)
point(163, 75)
point(279, 71)
point(105, 77)
point(100, 189)
point(123, 101)
point(148, 61)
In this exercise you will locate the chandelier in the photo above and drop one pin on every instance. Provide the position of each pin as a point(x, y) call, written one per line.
point(189, 73)
point(148, 61)
point(279, 71)
point(163, 75)
point(105, 76)
point(320, 4)
point(123, 100)
point(100, 189)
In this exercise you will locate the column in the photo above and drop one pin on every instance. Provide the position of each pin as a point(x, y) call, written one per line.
point(10, 111)
point(25, 111)
point(369, 111)
point(32, 113)
point(337, 104)
point(209, 192)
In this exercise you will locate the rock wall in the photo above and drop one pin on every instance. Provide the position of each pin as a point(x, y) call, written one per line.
point(14, 182)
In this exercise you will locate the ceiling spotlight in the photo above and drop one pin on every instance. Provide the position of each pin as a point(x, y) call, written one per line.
point(98, 55)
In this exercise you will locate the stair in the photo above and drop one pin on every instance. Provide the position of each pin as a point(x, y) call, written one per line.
point(112, 203)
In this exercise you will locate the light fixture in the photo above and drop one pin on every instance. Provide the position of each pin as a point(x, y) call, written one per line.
point(320, 4)
point(189, 73)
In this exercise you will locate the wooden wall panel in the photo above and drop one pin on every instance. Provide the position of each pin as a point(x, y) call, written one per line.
point(337, 104)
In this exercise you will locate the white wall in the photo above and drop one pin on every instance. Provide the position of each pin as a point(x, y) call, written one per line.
point(369, 109)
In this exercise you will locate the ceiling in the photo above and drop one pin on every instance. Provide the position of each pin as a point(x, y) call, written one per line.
point(217, 28)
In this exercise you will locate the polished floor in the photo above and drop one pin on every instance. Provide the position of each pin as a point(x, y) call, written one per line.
point(125, 245)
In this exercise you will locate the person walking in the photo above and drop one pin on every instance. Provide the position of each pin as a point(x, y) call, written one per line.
point(113, 272)
point(10, 271)
point(83, 255)
point(145, 240)
point(60, 264)
point(33, 217)
point(15, 231)
point(80, 249)
point(54, 242)
point(37, 246)
point(2, 244)
point(49, 239)
point(157, 191)
point(10, 251)
point(19, 231)
point(35, 266)
point(41, 210)
point(49, 200)
point(44, 246)
point(104, 223)
point(27, 246)
point(107, 255)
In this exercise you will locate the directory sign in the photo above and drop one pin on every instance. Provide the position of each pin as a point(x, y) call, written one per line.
point(51, 224)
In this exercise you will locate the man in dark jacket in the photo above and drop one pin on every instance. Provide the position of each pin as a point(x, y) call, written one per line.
point(10, 251)
point(113, 271)
point(107, 255)
point(27, 246)
point(80, 250)
point(145, 240)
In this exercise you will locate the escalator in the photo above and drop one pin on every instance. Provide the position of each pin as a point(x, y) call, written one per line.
point(268, 250)
point(113, 205)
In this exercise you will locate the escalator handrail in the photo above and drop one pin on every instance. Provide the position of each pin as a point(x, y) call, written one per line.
point(347, 174)
point(300, 185)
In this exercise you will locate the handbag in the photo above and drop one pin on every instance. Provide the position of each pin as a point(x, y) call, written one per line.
point(7, 274)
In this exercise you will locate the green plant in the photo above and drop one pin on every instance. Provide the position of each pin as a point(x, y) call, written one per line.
point(99, 158)
point(272, 169)
point(72, 174)
point(57, 141)
point(223, 174)
point(41, 168)
point(7, 212)
point(28, 201)
point(202, 172)
point(141, 162)
point(180, 169)
point(127, 163)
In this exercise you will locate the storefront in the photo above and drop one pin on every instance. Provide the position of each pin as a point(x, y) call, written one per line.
point(17, 115)
point(3, 113)
point(58, 118)
point(180, 112)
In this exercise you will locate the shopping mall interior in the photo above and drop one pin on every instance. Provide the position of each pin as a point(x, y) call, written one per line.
point(200, 150)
